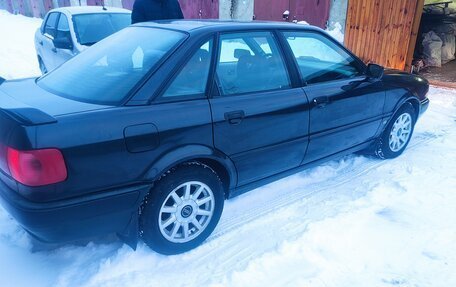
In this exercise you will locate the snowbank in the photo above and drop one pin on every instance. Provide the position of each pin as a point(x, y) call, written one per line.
point(16, 38)
point(336, 32)
point(354, 222)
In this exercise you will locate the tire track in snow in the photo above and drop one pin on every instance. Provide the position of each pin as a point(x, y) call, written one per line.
point(235, 256)
point(282, 199)
point(234, 242)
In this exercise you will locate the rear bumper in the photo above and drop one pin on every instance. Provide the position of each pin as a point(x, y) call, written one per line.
point(78, 218)
point(424, 105)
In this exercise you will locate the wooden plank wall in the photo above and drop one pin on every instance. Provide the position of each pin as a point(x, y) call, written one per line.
point(379, 31)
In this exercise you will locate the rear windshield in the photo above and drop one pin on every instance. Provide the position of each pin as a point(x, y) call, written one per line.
point(106, 72)
point(91, 28)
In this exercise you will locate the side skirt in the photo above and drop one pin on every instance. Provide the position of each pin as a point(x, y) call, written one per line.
point(245, 188)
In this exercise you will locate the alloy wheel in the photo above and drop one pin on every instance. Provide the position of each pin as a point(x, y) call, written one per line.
point(186, 212)
point(400, 132)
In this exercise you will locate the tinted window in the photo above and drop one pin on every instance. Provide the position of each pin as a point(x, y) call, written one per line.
point(63, 29)
point(192, 79)
point(250, 62)
point(109, 70)
point(51, 24)
point(319, 59)
point(91, 28)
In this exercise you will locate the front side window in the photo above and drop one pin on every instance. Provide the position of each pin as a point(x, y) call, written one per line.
point(50, 27)
point(192, 79)
point(319, 59)
point(63, 29)
point(250, 62)
point(91, 28)
point(109, 70)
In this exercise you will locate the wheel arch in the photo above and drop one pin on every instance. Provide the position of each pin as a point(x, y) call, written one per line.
point(219, 162)
point(415, 104)
point(407, 99)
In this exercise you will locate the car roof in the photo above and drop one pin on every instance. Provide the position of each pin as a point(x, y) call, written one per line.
point(75, 10)
point(221, 25)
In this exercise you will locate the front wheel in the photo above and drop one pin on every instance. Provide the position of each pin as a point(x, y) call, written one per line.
point(182, 209)
point(397, 134)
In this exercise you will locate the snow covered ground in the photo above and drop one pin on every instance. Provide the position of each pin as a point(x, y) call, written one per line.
point(354, 222)
point(17, 48)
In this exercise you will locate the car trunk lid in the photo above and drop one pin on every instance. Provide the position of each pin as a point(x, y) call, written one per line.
point(29, 104)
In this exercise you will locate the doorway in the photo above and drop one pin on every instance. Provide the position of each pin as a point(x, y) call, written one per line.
point(435, 49)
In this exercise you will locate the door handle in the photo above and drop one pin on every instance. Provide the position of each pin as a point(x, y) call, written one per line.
point(54, 50)
point(320, 102)
point(235, 118)
point(41, 43)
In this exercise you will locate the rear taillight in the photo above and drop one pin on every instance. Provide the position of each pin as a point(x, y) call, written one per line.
point(36, 167)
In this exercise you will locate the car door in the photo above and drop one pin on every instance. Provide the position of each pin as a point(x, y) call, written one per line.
point(347, 107)
point(63, 31)
point(48, 50)
point(260, 120)
point(181, 113)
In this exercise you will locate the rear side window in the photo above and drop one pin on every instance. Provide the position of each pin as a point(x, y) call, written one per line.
point(50, 27)
point(320, 59)
point(108, 71)
point(192, 79)
point(250, 62)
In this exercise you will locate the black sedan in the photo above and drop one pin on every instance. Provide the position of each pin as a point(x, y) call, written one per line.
point(147, 132)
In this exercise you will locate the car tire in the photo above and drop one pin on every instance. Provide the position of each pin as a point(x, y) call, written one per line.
point(182, 209)
point(43, 68)
point(397, 134)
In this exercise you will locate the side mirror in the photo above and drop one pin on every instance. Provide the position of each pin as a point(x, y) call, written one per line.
point(374, 71)
point(63, 43)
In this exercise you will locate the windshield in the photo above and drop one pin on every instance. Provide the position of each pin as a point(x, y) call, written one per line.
point(110, 69)
point(91, 28)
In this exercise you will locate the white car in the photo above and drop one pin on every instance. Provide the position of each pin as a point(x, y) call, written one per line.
point(67, 31)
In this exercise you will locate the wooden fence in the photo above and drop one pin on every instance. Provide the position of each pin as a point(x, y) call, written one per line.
point(383, 31)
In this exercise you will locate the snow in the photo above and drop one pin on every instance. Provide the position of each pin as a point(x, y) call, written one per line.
point(354, 222)
point(17, 38)
point(336, 32)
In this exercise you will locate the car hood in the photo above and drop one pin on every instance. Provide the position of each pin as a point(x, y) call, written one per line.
point(26, 91)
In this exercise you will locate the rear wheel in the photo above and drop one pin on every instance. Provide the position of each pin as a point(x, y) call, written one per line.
point(397, 134)
point(182, 209)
